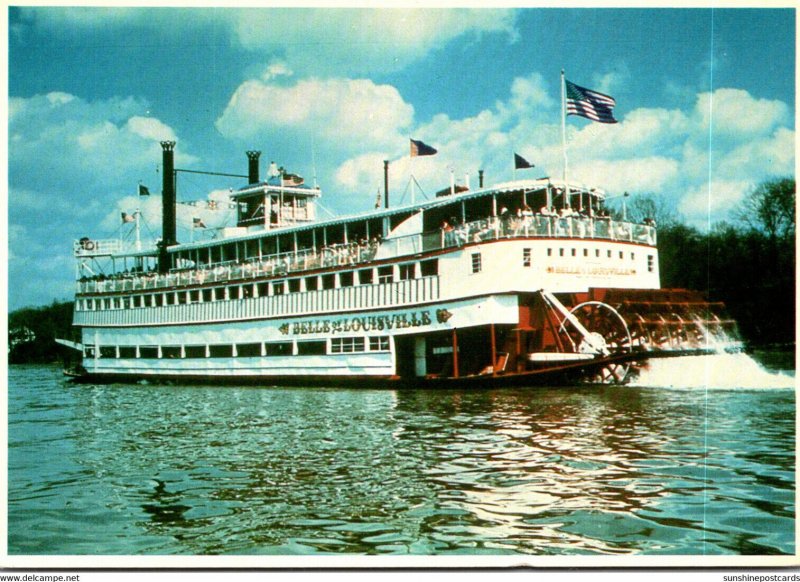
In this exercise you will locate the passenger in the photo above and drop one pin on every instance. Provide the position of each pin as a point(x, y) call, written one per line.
point(527, 218)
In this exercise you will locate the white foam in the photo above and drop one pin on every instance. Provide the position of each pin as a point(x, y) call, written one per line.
point(720, 370)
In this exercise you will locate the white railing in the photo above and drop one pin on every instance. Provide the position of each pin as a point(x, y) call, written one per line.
point(490, 229)
point(353, 298)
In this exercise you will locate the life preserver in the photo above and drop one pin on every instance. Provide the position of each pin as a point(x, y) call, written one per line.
point(88, 245)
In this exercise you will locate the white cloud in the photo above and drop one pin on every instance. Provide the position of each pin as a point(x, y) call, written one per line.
point(66, 143)
point(275, 70)
point(734, 112)
point(633, 175)
point(712, 201)
point(307, 39)
point(356, 114)
point(378, 40)
point(150, 128)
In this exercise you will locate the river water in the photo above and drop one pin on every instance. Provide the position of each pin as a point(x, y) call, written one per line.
point(681, 462)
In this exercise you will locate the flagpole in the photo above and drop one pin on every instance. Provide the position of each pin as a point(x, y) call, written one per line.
point(413, 181)
point(564, 135)
point(138, 213)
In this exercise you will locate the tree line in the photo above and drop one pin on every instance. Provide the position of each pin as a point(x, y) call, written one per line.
point(747, 263)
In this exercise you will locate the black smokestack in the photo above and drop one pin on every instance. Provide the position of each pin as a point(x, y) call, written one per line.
point(252, 168)
point(168, 201)
point(480, 178)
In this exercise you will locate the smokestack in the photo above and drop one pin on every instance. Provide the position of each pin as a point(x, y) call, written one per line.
point(168, 201)
point(480, 178)
point(252, 172)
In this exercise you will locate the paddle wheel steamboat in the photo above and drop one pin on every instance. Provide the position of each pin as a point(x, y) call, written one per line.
point(474, 287)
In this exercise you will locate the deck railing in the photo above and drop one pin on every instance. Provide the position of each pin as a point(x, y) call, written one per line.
point(539, 226)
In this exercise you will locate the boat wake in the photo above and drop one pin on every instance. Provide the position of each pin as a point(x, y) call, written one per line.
point(715, 371)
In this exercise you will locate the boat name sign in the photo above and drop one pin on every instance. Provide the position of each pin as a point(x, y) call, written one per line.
point(366, 323)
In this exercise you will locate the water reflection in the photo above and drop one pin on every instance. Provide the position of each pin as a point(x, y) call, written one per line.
point(201, 470)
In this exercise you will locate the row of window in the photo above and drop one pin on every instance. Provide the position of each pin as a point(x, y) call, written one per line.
point(380, 275)
point(338, 345)
point(477, 261)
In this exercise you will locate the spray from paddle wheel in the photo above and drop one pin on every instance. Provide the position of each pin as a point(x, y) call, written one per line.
point(604, 335)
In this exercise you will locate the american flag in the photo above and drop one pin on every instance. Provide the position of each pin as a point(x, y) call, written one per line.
point(589, 104)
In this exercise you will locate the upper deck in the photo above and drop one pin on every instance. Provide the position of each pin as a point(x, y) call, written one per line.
point(244, 257)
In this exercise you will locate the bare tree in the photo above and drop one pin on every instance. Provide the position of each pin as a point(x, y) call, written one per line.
point(770, 209)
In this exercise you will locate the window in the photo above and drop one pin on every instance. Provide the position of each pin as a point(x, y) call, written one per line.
point(407, 271)
point(181, 297)
point(560, 252)
point(294, 285)
point(312, 283)
point(127, 351)
point(108, 351)
point(246, 292)
point(574, 252)
point(347, 345)
point(312, 348)
point(596, 252)
point(385, 274)
point(222, 351)
point(170, 352)
point(476, 263)
point(148, 352)
point(379, 344)
point(620, 254)
point(549, 252)
point(208, 295)
point(329, 281)
point(263, 289)
point(346, 279)
point(526, 257)
point(278, 288)
point(585, 252)
point(633, 256)
point(195, 351)
point(651, 266)
point(429, 268)
point(248, 350)
point(365, 277)
point(279, 349)
point(609, 254)
point(194, 296)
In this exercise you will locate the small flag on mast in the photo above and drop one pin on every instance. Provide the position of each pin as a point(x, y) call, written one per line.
point(143, 191)
point(128, 217)
point(419, 148)
point(521, 163)
point(198, 223)
point(590, 104)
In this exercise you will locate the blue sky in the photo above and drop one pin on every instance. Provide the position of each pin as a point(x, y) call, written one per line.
point(705, 100)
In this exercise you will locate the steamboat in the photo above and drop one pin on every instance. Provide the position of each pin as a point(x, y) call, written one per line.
point(524, 282)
